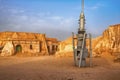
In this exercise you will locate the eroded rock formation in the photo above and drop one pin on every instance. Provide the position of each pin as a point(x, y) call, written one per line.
point(109, 42)
point(65, 48)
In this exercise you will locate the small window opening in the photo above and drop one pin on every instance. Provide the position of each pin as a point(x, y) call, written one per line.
point(31, 47)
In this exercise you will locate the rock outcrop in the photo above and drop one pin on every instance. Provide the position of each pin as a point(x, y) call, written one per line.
point(109, 42)
point(65, 48)
point(8, 49)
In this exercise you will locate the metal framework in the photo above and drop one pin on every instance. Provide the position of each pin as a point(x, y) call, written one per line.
point(81, 52)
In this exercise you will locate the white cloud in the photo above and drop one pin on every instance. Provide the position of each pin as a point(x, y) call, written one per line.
point(43, 14)
point(15, 11)
point(94, 7)
point(56, 17)
point(54, 26)
point(43, 22)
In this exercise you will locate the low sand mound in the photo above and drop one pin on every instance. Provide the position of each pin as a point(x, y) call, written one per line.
point(64, 54)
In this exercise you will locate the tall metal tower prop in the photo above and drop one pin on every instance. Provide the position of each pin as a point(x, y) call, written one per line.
point(81, 52)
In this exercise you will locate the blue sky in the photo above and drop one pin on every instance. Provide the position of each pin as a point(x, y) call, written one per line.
point(57, 18)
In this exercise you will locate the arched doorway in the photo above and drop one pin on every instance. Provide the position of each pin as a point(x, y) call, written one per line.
point(18, 48)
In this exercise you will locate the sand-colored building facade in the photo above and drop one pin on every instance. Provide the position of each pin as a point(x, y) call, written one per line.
point(12, 43)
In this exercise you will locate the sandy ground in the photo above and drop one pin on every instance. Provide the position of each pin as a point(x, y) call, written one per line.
point(56, 68)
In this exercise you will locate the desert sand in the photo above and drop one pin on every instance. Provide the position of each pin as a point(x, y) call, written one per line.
point(56, 68)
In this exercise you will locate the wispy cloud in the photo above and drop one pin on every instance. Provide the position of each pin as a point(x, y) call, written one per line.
point(15, 11)
point(91, 7)
point(54, 26)
point(14, 19)
point(56, 17)
point(96, 6)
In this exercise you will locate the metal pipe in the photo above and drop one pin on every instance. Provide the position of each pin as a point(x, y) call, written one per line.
point(73, 47)
point(81, 53)
point(82, 3)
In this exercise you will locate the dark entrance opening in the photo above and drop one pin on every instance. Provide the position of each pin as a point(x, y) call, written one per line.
point(18, 48)
point(48, 49)
point(40, 46)
point(31, 47)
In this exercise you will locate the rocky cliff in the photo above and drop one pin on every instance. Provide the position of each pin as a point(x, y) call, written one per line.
point(109, 42)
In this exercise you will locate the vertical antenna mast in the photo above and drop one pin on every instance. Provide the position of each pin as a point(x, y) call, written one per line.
point(82, 17)
point(81, 52)
point(82, 5)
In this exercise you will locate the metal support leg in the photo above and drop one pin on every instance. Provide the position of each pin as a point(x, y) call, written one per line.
point(74, 54)
point(90, 48)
